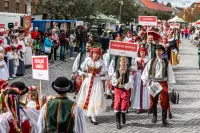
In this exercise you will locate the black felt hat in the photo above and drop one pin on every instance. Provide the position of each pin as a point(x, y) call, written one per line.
point(62, 85)
point(160, 47)
point(21, 86)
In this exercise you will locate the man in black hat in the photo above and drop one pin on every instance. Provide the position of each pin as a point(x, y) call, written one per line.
point(156, 76)
point(61, 114)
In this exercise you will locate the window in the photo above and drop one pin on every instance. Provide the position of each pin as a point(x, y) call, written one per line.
point(6, 5)
point(16, 7)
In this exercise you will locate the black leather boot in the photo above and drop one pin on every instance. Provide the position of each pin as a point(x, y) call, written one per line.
point(123, 118)
point(154, 119)
point(118, 120)
point(164, 118)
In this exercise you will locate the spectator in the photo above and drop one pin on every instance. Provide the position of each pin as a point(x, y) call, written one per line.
point(35, 33)
point(72, 44)
point(47, 47)
point(63, 44)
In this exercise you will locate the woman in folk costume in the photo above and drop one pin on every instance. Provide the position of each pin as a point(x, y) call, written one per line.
point(165, 44)
point(4, 74)
point(15, 60)
point(33, 98)
point(21, 67)
point(21, 42)
point(91, 95)
point(61, 115)
point(1, 46)
point(140, 94)
point(3, 85)
point(122, 81)
point(28, 50)
point(17, 119)
point(128, 37)
point(9, 56)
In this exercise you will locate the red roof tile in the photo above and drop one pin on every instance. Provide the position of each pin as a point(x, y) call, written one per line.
point(156, 6)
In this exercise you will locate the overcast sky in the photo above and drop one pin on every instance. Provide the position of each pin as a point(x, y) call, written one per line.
point(179, 3)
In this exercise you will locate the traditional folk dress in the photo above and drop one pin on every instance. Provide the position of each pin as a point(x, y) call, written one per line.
point(140, 94)
point(10, 65)
point(91, 96)
point(63, 116)
point(76, 69)
point(173, 52)
point(4, 74)
point(21, 67)
point(15, 62)
point(32, 98)
point(159, 71)
point(28, 50)
point(199, 53)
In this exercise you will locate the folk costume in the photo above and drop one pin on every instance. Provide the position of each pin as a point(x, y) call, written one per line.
point(128, 37)
point(91, 96)
point(122, 81)
point(173, 52)
point(76, 69)
point(9, 61)
point(3, 85)
point(33, 98)
point(28, 50)
point(139, 93)
point(21, 67)
point(199, 53)
point(17, 119)
point(151, 50)
point(166, 45)
point(4, 74)
point(157, 75)
point(61, 115)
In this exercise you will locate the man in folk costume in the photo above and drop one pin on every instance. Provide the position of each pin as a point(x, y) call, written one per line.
point(76, 68)
point(139, 93)
point(17, 119)
point(61, 115)
point(150, 47)
point(91, 96)
point(122, 81)
point(156, 76)
point(128, 37)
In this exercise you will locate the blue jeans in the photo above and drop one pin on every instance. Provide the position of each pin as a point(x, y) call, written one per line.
point(82, 46)
point(72, 51)
point(62, 52)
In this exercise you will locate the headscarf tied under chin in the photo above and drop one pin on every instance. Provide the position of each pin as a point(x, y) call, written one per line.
point(95, 50)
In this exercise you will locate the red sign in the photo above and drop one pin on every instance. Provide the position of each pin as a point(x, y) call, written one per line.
point(174, 25)
point(123, 48)
point(40, 63)
point(148, 20)
point(2, 25)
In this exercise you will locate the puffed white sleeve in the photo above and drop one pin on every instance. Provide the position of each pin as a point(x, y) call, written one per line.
point(129, 85)
point(76, 63)
point(145, 74)
point(134, 64)
point(103, 71)
point(114, 80)
point(41, 121)
point(171, 77)
point(79, 121)
point(4, 125)
point(111, 68)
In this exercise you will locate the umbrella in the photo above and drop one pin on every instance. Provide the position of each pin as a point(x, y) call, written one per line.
point(156, 35)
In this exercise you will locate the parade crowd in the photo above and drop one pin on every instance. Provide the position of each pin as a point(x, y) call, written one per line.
point(131, 82)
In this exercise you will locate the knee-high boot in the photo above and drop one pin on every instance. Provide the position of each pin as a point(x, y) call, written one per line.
point(123, 118)
point(118, 120)
point(164, 118)
point(154, 119)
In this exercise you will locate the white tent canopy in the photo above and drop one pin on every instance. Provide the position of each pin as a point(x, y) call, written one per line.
point(177, 20)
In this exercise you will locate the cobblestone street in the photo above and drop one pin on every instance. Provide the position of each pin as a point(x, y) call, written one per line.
point(186, 115)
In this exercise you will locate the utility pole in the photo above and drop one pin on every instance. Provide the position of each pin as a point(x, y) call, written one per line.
point(120, 11)
point(28, 7)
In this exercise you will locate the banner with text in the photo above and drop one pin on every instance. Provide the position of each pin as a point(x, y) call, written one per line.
point(148, 20)
point(123, 48)
point(174, 25)
point(40, 67)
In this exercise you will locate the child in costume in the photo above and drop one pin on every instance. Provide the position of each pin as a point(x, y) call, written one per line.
point(128, 37)
point(9, 56)
point(21, 67)
point(91, 95)
point(4, 74)
point(33, 99)
point(140, 94)
point(15, 60)
point(122, 80)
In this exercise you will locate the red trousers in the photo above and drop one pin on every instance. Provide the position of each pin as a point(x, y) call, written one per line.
point(121, 99)
point(164, 97)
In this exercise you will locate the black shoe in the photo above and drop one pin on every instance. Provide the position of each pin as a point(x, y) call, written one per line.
point(123, 118)
point(154, 119)
point(164, 118)
point(118, 120)
point(95, 123)
point(112, 105)
point(108, 97)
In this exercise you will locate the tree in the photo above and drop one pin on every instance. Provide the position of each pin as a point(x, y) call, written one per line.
point(169, 4)
point(190, 14)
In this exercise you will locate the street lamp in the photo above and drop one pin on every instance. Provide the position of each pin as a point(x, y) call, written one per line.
point(120, 11)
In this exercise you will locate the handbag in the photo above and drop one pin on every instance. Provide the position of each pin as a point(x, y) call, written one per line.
point(174, 96)
point(47, 49)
